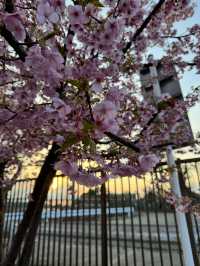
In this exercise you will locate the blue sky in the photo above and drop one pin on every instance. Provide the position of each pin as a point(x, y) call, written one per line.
point(190, 78)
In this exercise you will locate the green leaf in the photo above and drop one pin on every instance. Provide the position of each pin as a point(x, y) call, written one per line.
point(61, 50)
point(88, 142)
point(88, 126)
point(81, 84)
point(92, 146)
point(76, 83)
point(113, 152)
point(162, 105)
point(70, 140)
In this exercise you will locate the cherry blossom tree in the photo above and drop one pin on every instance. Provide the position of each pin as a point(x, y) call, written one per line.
point(68, 86)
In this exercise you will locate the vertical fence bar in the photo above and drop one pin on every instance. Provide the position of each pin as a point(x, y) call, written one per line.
point(133, 239)
point(44, 234)
point(117, 226)
point(140, 223)
point(8, 207)
point(13, 194)
point(166, 224)
point(104, 250)
point(60, 233)
point(83, 228)
point(198, 176)
point(77, 229)
point(50, 231)
point(66, 225)
point(185, 173)
point(89, 228)
point(110, 225)
point(32, 261)
point(148, 224)
point(2, 220)
point(96, 230)
point(2, 211)
point(71, 226)
point(194, 216)
point(55, 204)
point(157, 225)
point(38, 239)
point(9, 218)
point(124, 223)
point(16, 215)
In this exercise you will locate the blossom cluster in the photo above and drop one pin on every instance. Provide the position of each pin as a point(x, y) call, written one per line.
point(67, 77)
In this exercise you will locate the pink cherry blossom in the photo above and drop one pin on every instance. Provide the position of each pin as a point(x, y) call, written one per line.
point(170, 198)
point(46, 12)
point(148, 162)
point(61, 107)
point(104, 116)
point(97, 84)
point(184, 204)
point(116, 96)
point(58, 4)
point(14, 24)
point(76, 15)
point(68, 79)
point(105, 109)
point(45, 64)
point(125, 170)
point(68, 168)
point(87, 179)
point(90, 10)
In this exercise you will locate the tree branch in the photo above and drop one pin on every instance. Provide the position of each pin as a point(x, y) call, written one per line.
point(12, 42)
point(122, 141)
point(144, 25)
point(9, 6)
point(177, 37)
point(147, 125)
point(112, 136)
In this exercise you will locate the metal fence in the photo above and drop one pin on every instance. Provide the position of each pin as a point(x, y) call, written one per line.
point(124, 222)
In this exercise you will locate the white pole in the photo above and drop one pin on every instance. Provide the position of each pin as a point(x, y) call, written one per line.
point(175, 186)
point(181, 218)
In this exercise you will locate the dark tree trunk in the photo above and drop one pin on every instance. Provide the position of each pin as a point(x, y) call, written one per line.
point(1, 224)
point(33, 212)
point(2, 203)
point(30, 236)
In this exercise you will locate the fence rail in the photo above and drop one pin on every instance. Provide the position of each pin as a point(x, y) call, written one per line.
point(125, 222)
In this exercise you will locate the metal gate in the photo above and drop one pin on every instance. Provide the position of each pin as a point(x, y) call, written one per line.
point(127, 221)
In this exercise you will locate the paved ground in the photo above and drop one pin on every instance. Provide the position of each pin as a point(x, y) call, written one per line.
point(136, 241)
point(60, 253)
